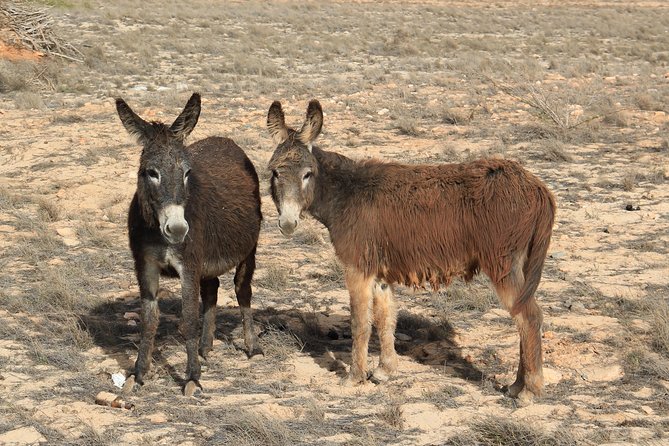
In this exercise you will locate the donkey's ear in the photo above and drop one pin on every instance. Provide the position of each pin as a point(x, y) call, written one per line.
point(186, 121)
point(313, 124)
point(135, 125)
point(276, 123)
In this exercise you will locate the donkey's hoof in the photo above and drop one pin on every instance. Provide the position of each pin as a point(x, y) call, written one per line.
point(255, 351)
point(379, 376)
point(350, 381)
point(514, 389)
point(204, 352)
point(192, 389)
point(525, 398)
point(131, 385)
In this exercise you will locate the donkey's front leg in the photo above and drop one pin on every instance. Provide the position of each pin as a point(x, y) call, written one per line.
point(360, 290)
point(190, 329)
point(148, 277)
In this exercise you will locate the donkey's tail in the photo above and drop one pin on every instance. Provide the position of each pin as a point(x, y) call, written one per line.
point(536, 250)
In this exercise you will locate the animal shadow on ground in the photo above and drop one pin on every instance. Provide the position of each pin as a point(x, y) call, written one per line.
point(329, 344)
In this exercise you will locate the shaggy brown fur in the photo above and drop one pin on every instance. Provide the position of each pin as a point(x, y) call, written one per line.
point(414, 224)
point(216, 186)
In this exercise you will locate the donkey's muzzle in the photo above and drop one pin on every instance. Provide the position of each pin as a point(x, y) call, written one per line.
point(289, 217)
point(173, 224)
point(287, 227)
point(175, 232)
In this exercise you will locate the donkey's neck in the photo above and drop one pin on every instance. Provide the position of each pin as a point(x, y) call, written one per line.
point(336, 186)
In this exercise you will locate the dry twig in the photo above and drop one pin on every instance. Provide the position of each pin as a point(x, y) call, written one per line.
point(34, 27)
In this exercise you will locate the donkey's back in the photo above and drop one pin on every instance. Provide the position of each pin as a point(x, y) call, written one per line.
point(416, 223)
point(223, 204)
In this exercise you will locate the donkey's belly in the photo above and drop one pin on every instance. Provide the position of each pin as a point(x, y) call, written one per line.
point(216, 267)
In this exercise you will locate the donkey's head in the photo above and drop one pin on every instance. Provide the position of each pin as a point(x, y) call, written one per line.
point(164, 167)
point(294, 168)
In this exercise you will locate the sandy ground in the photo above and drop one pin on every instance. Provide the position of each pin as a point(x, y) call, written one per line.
point(74, 154)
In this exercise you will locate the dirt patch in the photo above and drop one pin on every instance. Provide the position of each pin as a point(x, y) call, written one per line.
point(402, 81)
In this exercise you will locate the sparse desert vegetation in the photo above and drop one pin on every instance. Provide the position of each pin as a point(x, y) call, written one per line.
point(576, 92)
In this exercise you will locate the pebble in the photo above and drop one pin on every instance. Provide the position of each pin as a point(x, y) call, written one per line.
point(403, 337)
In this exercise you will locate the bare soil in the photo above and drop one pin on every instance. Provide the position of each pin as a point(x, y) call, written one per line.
point(576, 91)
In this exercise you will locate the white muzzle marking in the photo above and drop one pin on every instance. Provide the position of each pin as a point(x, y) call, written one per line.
point(289, 217)
point(173, 224)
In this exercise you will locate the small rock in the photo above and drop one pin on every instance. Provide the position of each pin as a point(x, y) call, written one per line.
point(647, 410)
point(602, 374)
point(644, 392)
point(158, 418)
point(551, 376)
point(631, 207)
point(557, 255)
point(403, 337)
point(22, 435)
point(131, 315)
point(549, 335)
point(69, 236)
point(577, 307)
point(383, 111)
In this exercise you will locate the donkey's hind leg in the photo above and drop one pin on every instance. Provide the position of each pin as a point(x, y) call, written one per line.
point(243, 277)
point(385, 320)
point(529, 377)
point(529, 321)
point(360, 291)
point(209, 295)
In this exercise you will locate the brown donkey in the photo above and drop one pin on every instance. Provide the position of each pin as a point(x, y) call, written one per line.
point(195, 215)
point(411, 224)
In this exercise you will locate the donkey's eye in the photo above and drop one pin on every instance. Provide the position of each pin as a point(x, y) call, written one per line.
point(186, 174)
point(275, 174)
point(306, 176)
point(153, 174)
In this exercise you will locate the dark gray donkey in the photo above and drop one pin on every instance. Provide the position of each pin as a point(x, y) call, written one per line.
point(195, 215)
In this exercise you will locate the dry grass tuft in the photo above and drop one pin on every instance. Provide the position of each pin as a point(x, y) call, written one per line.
point(48, 210)
point(334, 272)
point(630, 181)
point(407, 126)
point(28, 100)
point(460, 296)
point(554, 150)
point(639, 361)
point(279, 342)
point(95, 236)
point(393, 415)
point(310, 235)
point(444, 397)
point(246, 428)
point(16, 76)
point(648, 103)
point(502, 432)
point(455, 116)
point(659, 326)
point(275, 278)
